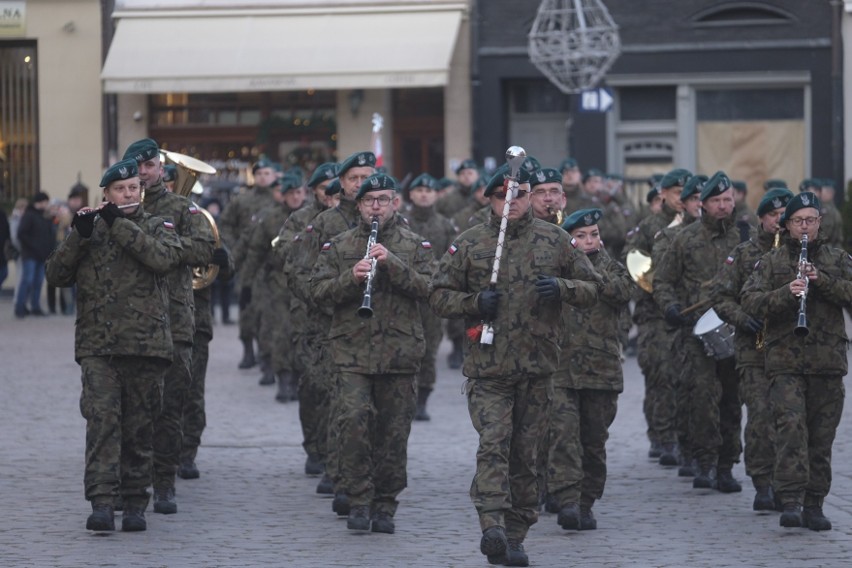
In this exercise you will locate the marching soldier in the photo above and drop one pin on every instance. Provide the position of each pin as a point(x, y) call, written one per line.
point(118, 259)
point(197, 250)
point(748, 345)
point(831, 223)
point(742, 212)
point(571, 180)
point(805, 371)
point(376, 398)
point(508, 391)
point(460, 195)
point(547, 198)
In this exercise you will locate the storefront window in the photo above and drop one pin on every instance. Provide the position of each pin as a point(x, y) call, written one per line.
point(19, 156)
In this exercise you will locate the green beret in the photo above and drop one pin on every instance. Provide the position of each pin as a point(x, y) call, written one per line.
point(615, 177)
point(582, 218)
point(809, 183)
point(262, 163)
point(142, 150)
point(445, 182)
point(655, 179)
point(357, 160)
point(376, 182)
point(423, 180)
point(500, 175)
point(801, 201)
point(323, 172)
point(545, 175)
point(278, 167)
point(333, 188)
point(692, 186)
point(288, 182)
point(120, 170)
point(717, 184)
point(296, 171)
point(652, 194)
point(531, 164)
point(676, 177)
point(169, 172)
point(827, 182)
point(466, 165)
point(593, 172)
point(775, 198)
point(770, 183)
point(740, 186)
point(567, 164)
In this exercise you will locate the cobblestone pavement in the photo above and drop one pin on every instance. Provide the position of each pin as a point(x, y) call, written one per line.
point(253, 505)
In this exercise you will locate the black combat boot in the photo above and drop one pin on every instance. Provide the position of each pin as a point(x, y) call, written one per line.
point(569, 517)
point(791, 517)
point(325, 486)
point(359, 518)
point(668, 455)
point(687, 468)
point(340, 505)
point(725, 482)
point(102, 518)
point(382, 523)
point(588, 522)
point(284, 384)
point(188, 469)
point(422, 397)
point(493, 545)
point(456, 357)
point(268, 376)
point(656, 450)
point(551, 504)
point(164, 501)
point(133, 520)
point(118, 503)
point(706, 478)
point(515, 554)
point(248, 360)
point(814, 519)
point(764, 498)
point(314, 465)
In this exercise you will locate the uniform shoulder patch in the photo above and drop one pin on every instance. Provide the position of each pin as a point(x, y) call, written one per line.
point(297, 237)
point(757, 265)
point(309, 229)
point(169, 225)
point(574, 242)
point(193, 210)
point(326, 246)
point(453, 249)
point(729, 260)
point(426, 244)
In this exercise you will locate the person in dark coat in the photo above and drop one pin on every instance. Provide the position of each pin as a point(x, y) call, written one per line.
point(36, 234)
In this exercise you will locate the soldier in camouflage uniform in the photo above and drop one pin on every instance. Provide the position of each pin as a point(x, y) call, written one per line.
point(461, 194)
point(831, 225)
point(235, 225)
point(467, 217)
point(197, 250)
point(682, 279)
point(377, 357)
point(614, 227)
point(742, 212)
point(652, 357)
point(754, 384)
point(118, 260)
point(587, 384)
point(806, 373)
point(509, 381)
point(572, 178)
point(328, 224)
point(424, 220)
point(547, 198)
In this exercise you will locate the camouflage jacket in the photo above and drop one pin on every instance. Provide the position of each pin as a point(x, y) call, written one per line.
point(742, 212)
point(454, 201)
point(662, 242)
point(613, 225)
point(203, 315)
point(436, 228)
point(197, 241)
point(392, 340)
point(575, 199)
point(831, 227)
point(643, 237)
point(295, 224)
point(695, 255)
point(259, 242)
point(122, 296)
point(591, 354)
point(767, 295)
point(726, 291)
point(527, 331)
point(237, 219)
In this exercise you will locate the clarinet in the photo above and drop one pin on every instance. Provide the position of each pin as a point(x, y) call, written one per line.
point(802, 325)
point(366, 310)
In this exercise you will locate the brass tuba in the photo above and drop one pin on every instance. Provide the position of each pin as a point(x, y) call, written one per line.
point(188, 170)
point(640, 267)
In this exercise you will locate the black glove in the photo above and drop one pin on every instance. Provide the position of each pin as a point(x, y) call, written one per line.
point(84, 223)
point(673, 316)
point(220, 257)
point(753, 325)
point(487, 303)
point(245, 297)
point(110, 212)
point(547, 288)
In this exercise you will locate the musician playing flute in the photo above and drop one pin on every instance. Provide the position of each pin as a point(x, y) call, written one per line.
point(509, 380)
point(375, 276)
point(118, 257)
point(806, 372)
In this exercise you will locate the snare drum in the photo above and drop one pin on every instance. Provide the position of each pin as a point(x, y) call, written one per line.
point(716, 335)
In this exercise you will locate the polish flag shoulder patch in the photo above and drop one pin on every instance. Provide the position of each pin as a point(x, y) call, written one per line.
point(573, 242)
point(193, 210)
point(426, 244)
point(729, 260)
point(169, 225)
point(309, 229)
point(326, 246)
point(453, 249)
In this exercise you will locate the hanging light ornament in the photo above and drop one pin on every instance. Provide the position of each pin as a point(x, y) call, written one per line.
point(574, 43)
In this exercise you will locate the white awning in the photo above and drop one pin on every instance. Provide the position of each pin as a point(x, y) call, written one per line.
point(218, 51)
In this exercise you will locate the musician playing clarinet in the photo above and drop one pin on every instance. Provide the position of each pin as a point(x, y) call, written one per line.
point(509, 380)
point(800, 290)
point(375, 276)
point(118, 256)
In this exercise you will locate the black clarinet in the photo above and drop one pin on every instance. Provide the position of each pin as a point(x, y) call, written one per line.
point(802, 325)
point(366, 309)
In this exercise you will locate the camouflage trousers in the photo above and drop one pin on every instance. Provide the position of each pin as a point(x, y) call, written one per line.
point(683, 396)
point(579, 428)
point(807, 411)
point(715, 411)
point(455, 329)
point(276, 330)
point(433, 332)
point(260, 309)
point(655, 343)
point(375, 420)
point(759, 430)
point(168, 434)
point(194, 418)
point(119, 400)
point(510, 416)
point(314, 394)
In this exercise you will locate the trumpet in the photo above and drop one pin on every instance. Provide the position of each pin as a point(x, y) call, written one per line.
point(802, 324)
point(558, 212)
point(366, 309)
